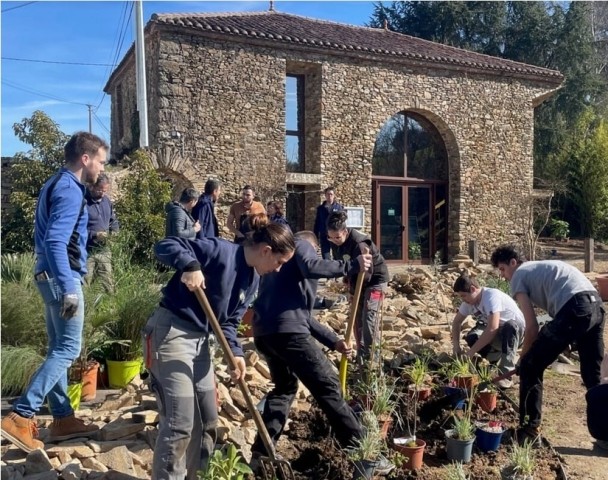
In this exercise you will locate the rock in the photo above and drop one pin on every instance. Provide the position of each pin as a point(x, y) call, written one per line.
point(249, 434)
point(55, 462)
point(233, 412)
point(237, 437)
point(119, 428)
point(149, 417)
point(115, 402)
point(94, 464)
point(238, 398)
point(37, 462)
point(251, 358)
point(100, 447)
point(118, 459)
point(430, 333)
point(263, 369)
point(49, 475)
point(72, 471)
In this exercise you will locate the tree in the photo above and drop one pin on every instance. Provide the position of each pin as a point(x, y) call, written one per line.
point(141, 207)
point(586, 160)
point(27, 175)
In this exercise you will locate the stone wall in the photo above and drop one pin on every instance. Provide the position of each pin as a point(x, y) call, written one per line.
point(221, 111)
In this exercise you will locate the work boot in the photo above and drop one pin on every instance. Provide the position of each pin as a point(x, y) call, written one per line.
point(22, 432)
point(529, 434)
point(70, 427)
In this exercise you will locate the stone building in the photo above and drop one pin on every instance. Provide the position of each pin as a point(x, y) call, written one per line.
point(432, 143)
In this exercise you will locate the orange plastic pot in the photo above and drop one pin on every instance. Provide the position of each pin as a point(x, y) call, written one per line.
point(486, 401)
point(414, 455)
point(466, 381)
point(89, 381)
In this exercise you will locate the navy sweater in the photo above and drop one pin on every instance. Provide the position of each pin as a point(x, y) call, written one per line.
point(101, 219)
point(323, 212)
point(203, 212)
point(60, 231)
point(286, 297)
point(230, 283)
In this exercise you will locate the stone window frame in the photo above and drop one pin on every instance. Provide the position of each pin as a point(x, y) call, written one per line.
point(300, 133)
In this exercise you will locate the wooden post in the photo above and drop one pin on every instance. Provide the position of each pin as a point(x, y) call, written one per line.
point(474, 251)
point(589, 259)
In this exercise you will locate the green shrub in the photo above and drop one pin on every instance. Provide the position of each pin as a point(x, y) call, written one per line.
point(17, 367)
point(22, 314)
point(227, 465)
point(559, 229)
point(141, 208)
point(17, 267)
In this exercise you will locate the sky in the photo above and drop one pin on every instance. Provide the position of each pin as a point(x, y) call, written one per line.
point(78, 33)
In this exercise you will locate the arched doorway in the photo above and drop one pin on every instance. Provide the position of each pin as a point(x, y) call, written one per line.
point(410, 190)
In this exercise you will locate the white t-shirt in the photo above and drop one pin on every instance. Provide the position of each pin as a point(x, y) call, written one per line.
point(492, 301)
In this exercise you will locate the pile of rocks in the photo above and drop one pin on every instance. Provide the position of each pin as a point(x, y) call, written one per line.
point(418, 310)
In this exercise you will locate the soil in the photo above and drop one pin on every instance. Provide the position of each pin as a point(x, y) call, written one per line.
point(569, 453)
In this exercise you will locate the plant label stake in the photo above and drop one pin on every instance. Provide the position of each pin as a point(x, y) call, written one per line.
point(272, 467)
point(349, 328)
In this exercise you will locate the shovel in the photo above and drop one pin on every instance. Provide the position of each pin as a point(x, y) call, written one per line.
point(271, 466)
point(349, 328)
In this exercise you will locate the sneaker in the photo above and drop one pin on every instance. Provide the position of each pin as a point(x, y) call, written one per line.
point(530, 434)
point(505, 383)
point(383, 466)
point(22, 432)
point(70, 427)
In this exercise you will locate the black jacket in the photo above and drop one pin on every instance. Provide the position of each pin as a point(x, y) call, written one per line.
point(178, 223)
point(351, 248)
point(286, 298)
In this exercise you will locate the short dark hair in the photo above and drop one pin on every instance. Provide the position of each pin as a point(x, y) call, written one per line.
point(102, 179)
point(211, 186)
point(329, 189)
point(506, 253)
point(248, 187)
point(337, 221)
point(83, 143)
point(464, 283)
point(278, 207)
point(188, 195)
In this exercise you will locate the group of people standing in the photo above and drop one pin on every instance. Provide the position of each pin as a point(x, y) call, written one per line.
point(278, 269)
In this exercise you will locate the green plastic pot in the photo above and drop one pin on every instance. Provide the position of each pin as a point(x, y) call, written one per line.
point(120, 373)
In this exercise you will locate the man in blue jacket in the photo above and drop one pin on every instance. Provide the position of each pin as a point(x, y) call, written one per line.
point(329, 206)
point(60, 236)
point(102, 223)
point(284, 332)
point(203, 211)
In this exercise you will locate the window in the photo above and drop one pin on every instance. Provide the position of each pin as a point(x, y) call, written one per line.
point(410, 146)
point(294, 123)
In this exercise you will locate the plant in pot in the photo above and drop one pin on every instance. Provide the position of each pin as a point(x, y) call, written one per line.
point(454, 471)
point(463, 373)
point(366, 452)
point(383, 402)
point(418, 374)
point(521, 463)
point(486, 397)
point(460, 438)
point(488, 435)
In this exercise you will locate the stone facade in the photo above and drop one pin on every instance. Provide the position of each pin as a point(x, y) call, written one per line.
point(217, 109)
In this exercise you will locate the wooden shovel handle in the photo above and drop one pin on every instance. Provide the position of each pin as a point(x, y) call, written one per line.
point(257, 418)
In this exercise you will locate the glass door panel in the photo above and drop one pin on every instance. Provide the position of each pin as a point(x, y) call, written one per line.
point(391, 222)
point(419, 223)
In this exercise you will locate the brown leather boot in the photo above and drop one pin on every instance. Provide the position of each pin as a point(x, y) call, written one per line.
point(70, 427)
point(22, 432)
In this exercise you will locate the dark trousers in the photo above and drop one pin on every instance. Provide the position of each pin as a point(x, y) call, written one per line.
point(580, 321)
point(327, 247)
point(293, 356)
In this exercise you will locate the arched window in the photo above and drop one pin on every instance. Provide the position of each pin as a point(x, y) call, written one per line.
point(409, 146)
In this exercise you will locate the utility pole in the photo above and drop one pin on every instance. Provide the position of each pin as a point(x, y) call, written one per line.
point(90, 118)
point(140, 74)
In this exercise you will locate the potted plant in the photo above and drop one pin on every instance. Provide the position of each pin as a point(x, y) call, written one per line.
point(454, 471)
point(463, 373)
point(366, 452)
point(380, 400)
point(487, 397)
point(522, 462)
point(488, 435)
point(560, 229)
point(411, 447)
point(460, 438)
point(418, 373)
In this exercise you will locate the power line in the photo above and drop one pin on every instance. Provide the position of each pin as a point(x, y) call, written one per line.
point(57, 62)
point(18, 6)
point(41, 94)
point(98, 120)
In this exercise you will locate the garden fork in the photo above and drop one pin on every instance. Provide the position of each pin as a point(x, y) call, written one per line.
point(271, 466)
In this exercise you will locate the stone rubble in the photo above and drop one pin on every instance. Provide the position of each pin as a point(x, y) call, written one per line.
point(418, 310)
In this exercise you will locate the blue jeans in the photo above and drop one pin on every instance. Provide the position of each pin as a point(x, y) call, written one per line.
point(51, 379)
point(182, 377)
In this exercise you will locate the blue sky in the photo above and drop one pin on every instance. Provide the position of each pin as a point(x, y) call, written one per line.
point(89, 32)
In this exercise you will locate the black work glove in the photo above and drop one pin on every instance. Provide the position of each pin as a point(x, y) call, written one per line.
point(69, 306)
